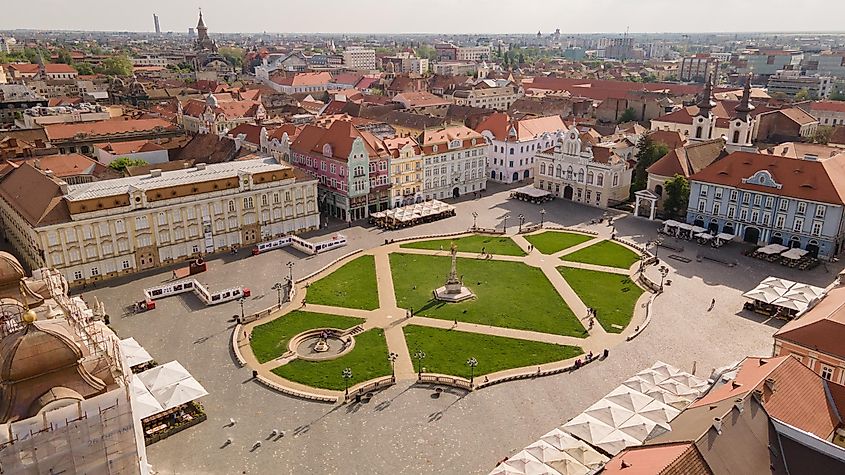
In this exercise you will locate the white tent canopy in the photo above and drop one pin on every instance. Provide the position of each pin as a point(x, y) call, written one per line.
point(531, 191)
point(527, 464)
point(785, 293)
point(629, 398)
point(171, 385)
point(616, 442)
point(772, 249)
point(588, 428)
point(135, 353)
point(164, 375)
point(795, 253)
point(146, 404)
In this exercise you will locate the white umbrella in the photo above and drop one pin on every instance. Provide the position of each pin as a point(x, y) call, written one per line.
point(791, 304)
point(777, 282)
point(587, 456)
point(616, 442)
point(569, 466)
point(677, 388)
point(639, 384)
point(640, 428)
point(135, 353)
point(670, 399)
point(666, 370)
point(628, 398)
point(659, 412)
point(608, 412)
point(164, 375)
point(527, 464)
point(763, 293)
point(556, 459)
point(145, 404)
point(179, 393)
point(587, 428)
point(651, 376)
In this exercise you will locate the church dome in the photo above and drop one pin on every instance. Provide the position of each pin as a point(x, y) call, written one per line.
point(11, 271)
point(41, 347)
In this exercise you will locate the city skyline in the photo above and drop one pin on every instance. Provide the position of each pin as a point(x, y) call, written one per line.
point(438, 17)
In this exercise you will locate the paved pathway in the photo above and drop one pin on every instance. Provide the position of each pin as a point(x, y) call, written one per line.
point(393, 319)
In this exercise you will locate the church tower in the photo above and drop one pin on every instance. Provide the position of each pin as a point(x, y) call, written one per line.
point(704, 121)
point(742, 123)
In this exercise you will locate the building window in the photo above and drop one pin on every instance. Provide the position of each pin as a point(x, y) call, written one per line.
point(733, 195)
point(743, 214)
point(162, 219)
point(95, 271)
point(779, 220)
point(755, 216)
point(141, 222)
point(802, 207)
point(820, 209)
point(817, 228)
point(746, 198)
point(827, 372)
point(770, 201)
point(731, 211)
point(248, 203)
point(784, 204)
point(757, 200)
point(70, 235)
point(125, 265)
point(718, 193)
point(798, 225)
point(77, 275)
point(703, 191)
point(716, 208)
point(701, 205)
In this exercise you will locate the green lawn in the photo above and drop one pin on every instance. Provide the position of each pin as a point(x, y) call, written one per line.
point(353, 285)
point(270, 340)
point(613, 296)
point(550, 242)
point(367, 360)
point(508, 294)
point(448, 350)
point(604, 253)
point(474, 243)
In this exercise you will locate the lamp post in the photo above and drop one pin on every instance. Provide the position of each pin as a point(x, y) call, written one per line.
point(474, 220)
point(420, 356)
point(656, 243)
point(521, 221)
point(278, 286)
point(347, 375)
point(505, 225)
point(392, 357)
point(664, 271)
point(241, 301)
point(290, 271)
point(542, 217)
point(472, 363)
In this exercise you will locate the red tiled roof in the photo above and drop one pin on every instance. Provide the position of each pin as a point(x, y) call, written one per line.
point(647, 460)
point(790, 392)
point(822, 328)
point(500, 124)
point(816, 180)
point(252, 132)
point(134, 146)
point(302, 79)
point(420, 99)
point(602, 89)
point(106, 127)
point(828, 106)
point(443, 136)
point(37, 197)
point(340, 136)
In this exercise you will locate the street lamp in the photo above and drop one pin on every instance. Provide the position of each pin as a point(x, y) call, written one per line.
point(278, 286)
point(506, 222)
point(474, 219)
point(420, 356)
point(290, 271)
point(392, 357)
point(472, 363)
point(542, 216)
point(656, 243)
point(241, 301)
point(347, 375)
point(521, 221)
point(664, 271)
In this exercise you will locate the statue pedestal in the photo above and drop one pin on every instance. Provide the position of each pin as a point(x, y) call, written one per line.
point(453, 292)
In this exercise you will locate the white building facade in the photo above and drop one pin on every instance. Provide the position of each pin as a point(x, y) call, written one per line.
point(454, 163)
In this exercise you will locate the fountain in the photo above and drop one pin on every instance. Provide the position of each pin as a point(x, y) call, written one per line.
point(321, 344)
point(454, 290)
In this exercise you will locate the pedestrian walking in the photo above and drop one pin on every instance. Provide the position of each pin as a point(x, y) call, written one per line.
point(303, 303)
point(712, 304)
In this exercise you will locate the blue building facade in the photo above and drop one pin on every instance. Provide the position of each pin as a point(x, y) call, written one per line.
point(735, 195)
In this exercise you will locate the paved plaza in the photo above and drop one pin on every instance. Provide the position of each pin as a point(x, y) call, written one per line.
point(404, 429)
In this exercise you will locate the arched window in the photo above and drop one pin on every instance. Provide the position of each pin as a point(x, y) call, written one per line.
point(559, 171)
point(589, 178)
point(581, 176)
point(569, 173)
point(542, 168)
point(600, 180)
point(698, 132)
point(231, 206)
point(736, 136)
point(615, 179)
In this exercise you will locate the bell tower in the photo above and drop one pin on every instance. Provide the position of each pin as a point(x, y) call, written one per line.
point(742, 123)
point(704, 121)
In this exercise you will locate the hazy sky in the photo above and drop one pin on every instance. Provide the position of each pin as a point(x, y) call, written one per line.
point(429, 16)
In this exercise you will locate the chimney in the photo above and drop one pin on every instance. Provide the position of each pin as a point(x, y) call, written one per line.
point(763, 361)
point(770, 384)
point(738, 404)
point(200, 166)
point(155, 173)
point(758, 393)
point(49, 173)
point(717, 424)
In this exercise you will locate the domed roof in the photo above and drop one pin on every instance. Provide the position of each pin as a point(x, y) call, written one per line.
point(41, 347)
point(11, 271)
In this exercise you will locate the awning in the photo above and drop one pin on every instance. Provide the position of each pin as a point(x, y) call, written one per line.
point(705, 236)
point(725, 236)
point(794, 253)
point(772, 249)
point(164, 375)
point(532, 192)
point(698, 229)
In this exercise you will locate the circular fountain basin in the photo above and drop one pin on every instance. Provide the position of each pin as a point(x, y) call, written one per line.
point(321, 344)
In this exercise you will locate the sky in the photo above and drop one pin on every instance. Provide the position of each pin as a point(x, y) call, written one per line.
point(428, 16)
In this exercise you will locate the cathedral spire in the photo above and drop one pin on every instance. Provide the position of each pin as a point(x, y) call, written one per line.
point(200, 23)
point(745, 107)
point(705, 102)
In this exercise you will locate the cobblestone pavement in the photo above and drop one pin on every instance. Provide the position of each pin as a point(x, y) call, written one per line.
point(404, 429)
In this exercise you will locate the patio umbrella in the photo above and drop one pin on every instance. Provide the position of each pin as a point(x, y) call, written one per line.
point(660, 412)
point(670, 399)
point(135, 353)
point(179, 393)
point(797, 305)
point(556, 459)
point(763, 293)
point(587, 428)
point(144, 403)
point(677, 388)
point(164, 375)
point(608, 412)
point(616, 442)
point(628, 398)
point(642, 428)
point(639, 384)
point(777, 282)
point(560, 440)
point(651, 376)
point(527, 464)
point(587, 456)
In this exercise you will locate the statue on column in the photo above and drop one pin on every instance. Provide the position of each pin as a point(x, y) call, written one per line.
point(453, 291)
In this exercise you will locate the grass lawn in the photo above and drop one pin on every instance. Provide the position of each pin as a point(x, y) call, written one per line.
point(446, 351)
point(613, 296)
point(604, 253)
point(353, 285)
point(270, 340)
point(492, 244)
point(508, 294)
point(550, 242)
point(367, 360)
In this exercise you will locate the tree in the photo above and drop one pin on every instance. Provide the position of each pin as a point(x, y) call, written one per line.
point(628, 115)
point(802, 95)
point(122, 163)
point(119, 65)
point(822, 134)
point(676, 191)
point(235, 56)
point(84, 69)
point(649, 152)
point(63, 56)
